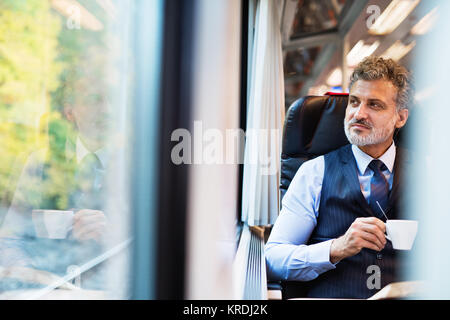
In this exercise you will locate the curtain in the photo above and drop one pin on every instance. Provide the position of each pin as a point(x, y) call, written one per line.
point(265, 117)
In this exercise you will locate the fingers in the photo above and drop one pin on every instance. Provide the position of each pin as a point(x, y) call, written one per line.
point(375, 234)
point(87, 213)
point(373, 221)
point(369, 245)
point(89, 224)
point(88, 219)
point(369, 233)
point(375, 243)
point(372, 225)
point(89, 232)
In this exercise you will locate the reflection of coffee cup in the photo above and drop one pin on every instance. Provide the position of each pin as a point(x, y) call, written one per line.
point(401, 233)
point(52, 224)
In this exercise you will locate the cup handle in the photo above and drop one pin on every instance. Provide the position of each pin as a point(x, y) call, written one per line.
point(387, 237)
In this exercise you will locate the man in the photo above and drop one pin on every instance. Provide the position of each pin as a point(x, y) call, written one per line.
point(68, 175)
point(331, 229)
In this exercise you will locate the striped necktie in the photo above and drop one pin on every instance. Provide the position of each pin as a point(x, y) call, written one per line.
point(379, 188)
point(89, 184)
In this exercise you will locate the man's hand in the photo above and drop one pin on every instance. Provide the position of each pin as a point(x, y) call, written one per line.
point(89, 224)
point(363, 233)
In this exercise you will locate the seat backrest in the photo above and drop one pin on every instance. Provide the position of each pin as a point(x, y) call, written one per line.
point(314, 126)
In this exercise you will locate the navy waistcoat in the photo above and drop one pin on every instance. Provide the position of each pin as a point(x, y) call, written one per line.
point(341, 203)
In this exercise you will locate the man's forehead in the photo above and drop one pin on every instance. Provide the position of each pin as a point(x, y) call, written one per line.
point(374, 89)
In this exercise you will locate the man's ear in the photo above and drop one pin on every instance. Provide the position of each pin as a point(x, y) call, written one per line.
point(68, 113)
point(402, 118)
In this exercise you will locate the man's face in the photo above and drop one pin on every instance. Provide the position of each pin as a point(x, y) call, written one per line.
point(371, 115)
point(92, 116)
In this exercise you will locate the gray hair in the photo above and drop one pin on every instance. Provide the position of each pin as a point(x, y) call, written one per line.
point(376, 68)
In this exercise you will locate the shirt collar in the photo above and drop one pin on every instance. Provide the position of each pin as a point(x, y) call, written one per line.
point(82, 151)
point(363, 159)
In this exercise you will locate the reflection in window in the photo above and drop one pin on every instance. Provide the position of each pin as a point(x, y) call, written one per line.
point(298, 66)
point(63, 96)
point(315, 16)
point(300, 61)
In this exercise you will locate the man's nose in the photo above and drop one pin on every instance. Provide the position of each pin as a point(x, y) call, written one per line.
point(361, 112)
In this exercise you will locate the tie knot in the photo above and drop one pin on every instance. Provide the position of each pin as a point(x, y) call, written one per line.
point(90, 164)
point(376, 165)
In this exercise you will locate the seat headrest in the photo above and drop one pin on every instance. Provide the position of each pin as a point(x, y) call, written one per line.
point(314, 125)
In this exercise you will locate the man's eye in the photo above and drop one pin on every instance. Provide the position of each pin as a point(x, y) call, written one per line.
point(376, 105)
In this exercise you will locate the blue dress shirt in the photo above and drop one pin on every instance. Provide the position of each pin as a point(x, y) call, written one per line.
point(288, 256)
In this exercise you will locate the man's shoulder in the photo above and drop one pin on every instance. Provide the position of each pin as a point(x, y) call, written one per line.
point(319, 161)
point(309, 171)
point(340, 152)
point(306, 183)
point(312, 164)
point(36, 159)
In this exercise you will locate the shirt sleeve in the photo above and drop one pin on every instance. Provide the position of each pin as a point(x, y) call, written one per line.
point(287, 255)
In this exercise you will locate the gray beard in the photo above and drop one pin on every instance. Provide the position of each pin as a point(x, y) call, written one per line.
point(375, 137)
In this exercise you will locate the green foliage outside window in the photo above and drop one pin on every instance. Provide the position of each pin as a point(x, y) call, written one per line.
point(39, 59)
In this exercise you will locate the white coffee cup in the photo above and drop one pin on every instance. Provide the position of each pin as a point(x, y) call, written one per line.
point(52, 224)
point(401, 233)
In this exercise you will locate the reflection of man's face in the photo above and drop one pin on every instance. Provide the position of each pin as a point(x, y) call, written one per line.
point(91, 115)
point(371, 115)
point(90, 86)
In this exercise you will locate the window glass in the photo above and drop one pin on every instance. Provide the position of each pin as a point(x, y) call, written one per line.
point(316, 16)
point(300, 61)
point(65, 78)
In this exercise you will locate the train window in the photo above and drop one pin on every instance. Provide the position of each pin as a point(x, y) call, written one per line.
point(67, 83)
point(298, 66)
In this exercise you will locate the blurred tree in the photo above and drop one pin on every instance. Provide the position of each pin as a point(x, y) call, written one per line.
point(28, 73)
